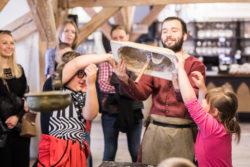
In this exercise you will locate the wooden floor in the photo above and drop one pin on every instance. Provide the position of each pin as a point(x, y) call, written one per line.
point(241, 151)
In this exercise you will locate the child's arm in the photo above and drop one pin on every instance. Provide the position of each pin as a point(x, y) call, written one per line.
point(80, 62)
point(199, 82)
point(91, 108)
point(206, 122)
point(186, 89)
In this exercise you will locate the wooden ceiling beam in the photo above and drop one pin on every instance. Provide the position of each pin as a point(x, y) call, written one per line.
point(60, 9)
point(148, 19)
point(128, 17)
point(43, 15)
point(118, 18)
point(123, 3)
point(105, 28)
point(3, 3)
point(98, 20)
point(22, 27)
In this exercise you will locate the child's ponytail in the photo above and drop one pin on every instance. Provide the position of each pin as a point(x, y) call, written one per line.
point(232, 126)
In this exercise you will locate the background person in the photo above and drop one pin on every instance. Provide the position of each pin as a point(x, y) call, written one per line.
point(120, 113)
point(67, 33)
point(16, 151)
point(169, 133)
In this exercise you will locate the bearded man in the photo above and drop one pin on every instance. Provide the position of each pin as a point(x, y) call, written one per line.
point(169, 133)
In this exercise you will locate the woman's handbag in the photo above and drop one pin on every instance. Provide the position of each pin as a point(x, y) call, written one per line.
point(28, 128)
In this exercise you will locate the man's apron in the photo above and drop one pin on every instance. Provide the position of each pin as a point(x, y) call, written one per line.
point(167, 137)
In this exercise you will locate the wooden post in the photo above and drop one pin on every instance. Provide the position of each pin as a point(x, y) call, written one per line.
point(43, 47)
point(128, 17)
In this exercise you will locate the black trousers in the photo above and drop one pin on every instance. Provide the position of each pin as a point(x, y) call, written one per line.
point(16, 152)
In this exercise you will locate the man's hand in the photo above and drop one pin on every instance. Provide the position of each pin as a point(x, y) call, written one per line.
point(120, 71)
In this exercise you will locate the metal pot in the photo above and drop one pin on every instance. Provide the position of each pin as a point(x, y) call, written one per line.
point(48, 101)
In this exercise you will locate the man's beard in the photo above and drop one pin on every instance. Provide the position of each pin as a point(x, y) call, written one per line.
point(176, 47)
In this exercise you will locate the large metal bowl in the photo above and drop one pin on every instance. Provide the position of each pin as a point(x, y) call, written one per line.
point(48, 101)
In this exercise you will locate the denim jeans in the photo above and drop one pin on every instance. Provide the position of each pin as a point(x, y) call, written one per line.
point(89, 159)
point(111, 138)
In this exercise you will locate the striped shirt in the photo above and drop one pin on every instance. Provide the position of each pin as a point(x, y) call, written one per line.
point(69, 123)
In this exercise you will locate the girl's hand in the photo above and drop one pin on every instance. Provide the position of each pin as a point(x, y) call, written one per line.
point(91, 72)
point(120, 71)
point(179, 61)
point(11, 121)
point(198, 79)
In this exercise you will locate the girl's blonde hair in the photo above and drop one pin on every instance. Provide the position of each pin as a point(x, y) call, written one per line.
point(16, 70)
point(61, 29)
point(226, 102)
point(176, 162)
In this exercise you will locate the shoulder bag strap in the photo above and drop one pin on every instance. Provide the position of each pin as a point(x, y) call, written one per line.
point(6, 85)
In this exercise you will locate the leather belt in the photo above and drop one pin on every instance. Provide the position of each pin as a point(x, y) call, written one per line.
point(171, 125)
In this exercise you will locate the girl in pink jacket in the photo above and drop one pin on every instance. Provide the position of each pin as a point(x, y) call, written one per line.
point(215, 117)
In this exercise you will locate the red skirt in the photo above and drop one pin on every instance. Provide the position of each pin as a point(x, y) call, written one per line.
point(62, 153)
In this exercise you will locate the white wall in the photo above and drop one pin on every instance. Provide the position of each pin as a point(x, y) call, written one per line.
point(13, 10)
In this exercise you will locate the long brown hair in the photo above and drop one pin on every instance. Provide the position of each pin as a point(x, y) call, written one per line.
point(226, 102)
point(14, 67)
point(61, 29)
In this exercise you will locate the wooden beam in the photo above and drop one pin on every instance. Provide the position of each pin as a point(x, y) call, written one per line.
point(118, 18)
point(122, 3)
point(60, 16)
point(64, 4)
point(105, 28)
point(148, 20)
point(22, 26)
point(97, 21)
point(60, 11)
point(3, 3)
point(43, 47)
point(43, 15)
point(128, 16)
